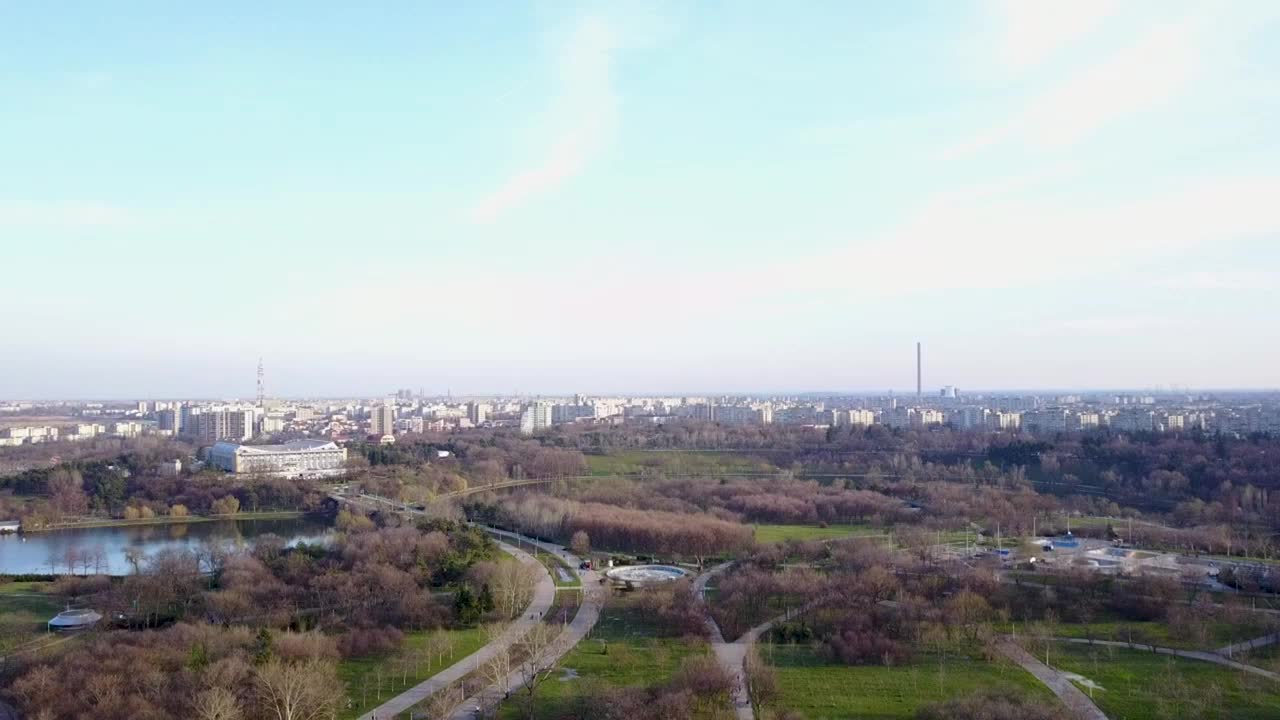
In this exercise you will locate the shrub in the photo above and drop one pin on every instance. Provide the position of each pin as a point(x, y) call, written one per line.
point(1002, 704)
point(369, 641)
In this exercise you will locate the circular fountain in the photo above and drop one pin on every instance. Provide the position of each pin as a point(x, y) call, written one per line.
point(644, 575)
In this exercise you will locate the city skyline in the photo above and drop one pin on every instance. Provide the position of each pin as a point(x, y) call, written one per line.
point(906, 395)
point(638, 198)
point(916, 384)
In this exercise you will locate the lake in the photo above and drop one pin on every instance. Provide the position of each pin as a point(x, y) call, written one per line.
point(106, 549)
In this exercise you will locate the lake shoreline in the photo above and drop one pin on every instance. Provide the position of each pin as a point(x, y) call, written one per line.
point(113, 548)
point(166, 520)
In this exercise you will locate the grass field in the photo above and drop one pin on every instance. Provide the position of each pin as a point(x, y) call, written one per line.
point(1140, 685)
point(361, 674)
point(781, 533)
point(1214, 634)
point(821, 690)
point(564, 607)
point(553, 563)
point(623, 650)
point(24, 609)
point(1266, 657)
point(633, 462)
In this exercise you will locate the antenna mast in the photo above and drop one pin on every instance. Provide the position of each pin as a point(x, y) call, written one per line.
point(262, 390)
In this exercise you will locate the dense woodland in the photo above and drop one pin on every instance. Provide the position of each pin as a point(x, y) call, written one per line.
point(226, 627)
point(1195, 478)
point(1191, 479)
point(222, 628)
point(1231, 477)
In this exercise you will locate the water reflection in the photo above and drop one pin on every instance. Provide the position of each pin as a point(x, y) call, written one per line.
point(115, 549)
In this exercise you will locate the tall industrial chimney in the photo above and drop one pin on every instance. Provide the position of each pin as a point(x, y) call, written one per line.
point(919, 386)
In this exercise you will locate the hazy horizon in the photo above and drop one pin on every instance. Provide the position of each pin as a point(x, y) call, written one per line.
point(903, 393)
point(586, 196)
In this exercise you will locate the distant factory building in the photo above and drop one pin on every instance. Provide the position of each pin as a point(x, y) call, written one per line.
point(298, 458)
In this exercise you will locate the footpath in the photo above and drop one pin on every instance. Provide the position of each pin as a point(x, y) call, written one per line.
point(1073, 697)
point(543, 596)
point(731, 656)
point(593, 595)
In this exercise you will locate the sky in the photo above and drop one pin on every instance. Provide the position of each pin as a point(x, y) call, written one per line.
point(620, 197)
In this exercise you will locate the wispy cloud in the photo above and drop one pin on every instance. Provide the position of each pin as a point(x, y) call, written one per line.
point(1113, 324)
point(65, 216)
point(1146, 73)
point(1030, 32)
point(589, 102)
point(1249, 280)
point(981, 239)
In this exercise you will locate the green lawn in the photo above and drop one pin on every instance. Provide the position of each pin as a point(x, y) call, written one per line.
point(1216, 633)
point(553, 563)
point(1139, 685)
point(634, 462)
point(1266, 657)
point(24, 609)
point(564, 607)
point(363, 693)
point(781, 533)
point(821, 690)
point(624, 649)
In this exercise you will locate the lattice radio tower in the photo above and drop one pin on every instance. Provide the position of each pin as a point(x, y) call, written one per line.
point(262, 389)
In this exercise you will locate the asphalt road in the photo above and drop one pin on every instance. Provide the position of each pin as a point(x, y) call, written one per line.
point(593, 595)
point(544, 594)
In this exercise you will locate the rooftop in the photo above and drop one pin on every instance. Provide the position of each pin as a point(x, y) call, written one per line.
point(291, 446)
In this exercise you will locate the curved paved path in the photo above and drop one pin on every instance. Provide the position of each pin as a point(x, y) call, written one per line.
point(1248, 645)
point(1076, 701)
point(731, 656)
point(543, 595)
point(1212, 657)
point(593, 594)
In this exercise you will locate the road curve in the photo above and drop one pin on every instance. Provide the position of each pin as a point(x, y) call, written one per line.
point(593, 594)
point(1212, 657)
point(1076, 701)
point(544, 594)
point(1265, 640)
point(731, 656)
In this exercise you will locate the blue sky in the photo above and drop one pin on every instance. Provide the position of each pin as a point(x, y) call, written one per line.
point(557, 197)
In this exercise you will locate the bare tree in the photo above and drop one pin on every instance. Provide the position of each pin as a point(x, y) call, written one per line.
point(134, 556)
point(538, 648)
point(513, 585)
point(761, 679)
point(218, 704)
point(442, 703)
point(299, 691)
point(580, 544)
point(498, 670)
point(70, 556)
